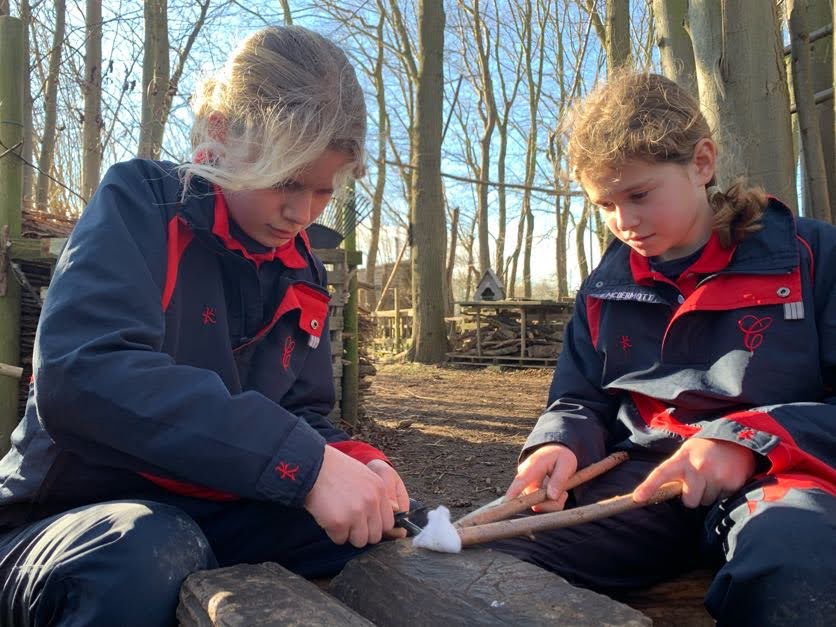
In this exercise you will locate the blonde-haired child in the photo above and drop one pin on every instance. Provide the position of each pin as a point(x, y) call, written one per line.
point(177, 417)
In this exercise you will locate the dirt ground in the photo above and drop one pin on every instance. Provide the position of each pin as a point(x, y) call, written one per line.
point(453, 433)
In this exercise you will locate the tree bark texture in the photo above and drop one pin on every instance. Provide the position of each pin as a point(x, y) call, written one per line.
point(380, 182)
point(429, 242)
point(92, 87)
point(449, 300)
point(47, 152)
point(155, 79)
point(675, 49)
point(743, 91)
point(808, 123)
point(618, 34)
point(28, 125)
point(395, 584)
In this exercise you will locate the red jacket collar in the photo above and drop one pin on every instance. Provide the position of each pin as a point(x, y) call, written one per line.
point(713, 259)
point(287, 253)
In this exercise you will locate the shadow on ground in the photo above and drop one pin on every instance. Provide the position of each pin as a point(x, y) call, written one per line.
point(453, 433)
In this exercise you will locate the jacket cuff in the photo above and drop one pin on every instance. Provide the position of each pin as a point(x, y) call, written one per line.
point(290, 475)
point(361, 451)
point(587, 447)
point(729, 430)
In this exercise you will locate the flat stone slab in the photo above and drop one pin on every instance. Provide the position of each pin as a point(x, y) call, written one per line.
point(265, 594)
point(395, 584)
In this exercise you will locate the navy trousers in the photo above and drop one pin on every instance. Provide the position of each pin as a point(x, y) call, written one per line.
point(123, 562)
point(775, 549)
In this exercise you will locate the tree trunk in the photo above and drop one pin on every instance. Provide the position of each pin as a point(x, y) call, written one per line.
point(819, 14)
point(28, 126)
point(561, 206)
point(618, 34)
point(92, 87)
point(47, 152)
point(580, 231)
point(451, 263)
point(808, 124)
point(743, 93)
point(174, 82)
point(675, 49)
point(288, 18)
point(429, 335)
point(380, 182)
point(155, 79)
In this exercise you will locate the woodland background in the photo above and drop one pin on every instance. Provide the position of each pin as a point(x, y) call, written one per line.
point(465, 99)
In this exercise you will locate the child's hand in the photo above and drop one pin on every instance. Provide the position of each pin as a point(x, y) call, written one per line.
point(549, 466)
point(395, 491)
point(349, 501)
point(708, 470)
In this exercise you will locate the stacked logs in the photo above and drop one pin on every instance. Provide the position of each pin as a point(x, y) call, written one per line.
point(36, 224)
point(501, 335)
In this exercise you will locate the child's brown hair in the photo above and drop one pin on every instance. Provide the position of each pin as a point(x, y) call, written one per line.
point(650, 118)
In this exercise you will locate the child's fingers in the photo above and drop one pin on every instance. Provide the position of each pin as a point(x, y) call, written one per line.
point(559, 476)
point(669, 470)
point(552, 505)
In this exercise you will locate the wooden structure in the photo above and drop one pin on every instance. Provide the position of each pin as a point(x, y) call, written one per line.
point(489, 287)
point(341, 265)
point(519, 333)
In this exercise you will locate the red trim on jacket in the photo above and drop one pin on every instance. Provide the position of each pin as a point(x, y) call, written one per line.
point(286, 253)
point(812, 257)
point(312, 306)
point(712, 259)
point(774, 492)
point(179, 237)
point(361, 451)
point(786, 455)
point(189, 489)
point(736, 291)
point(657, 416)
point(593, 318)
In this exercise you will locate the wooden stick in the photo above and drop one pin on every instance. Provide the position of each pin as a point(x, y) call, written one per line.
point(506, 509)
point(15, 372)
point(556, 520)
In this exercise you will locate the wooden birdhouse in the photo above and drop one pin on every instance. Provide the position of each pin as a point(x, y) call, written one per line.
point(489, 287)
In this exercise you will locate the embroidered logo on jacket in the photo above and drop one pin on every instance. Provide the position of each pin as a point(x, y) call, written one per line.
point(625, 342)
point(746, 434)
point(753, 328)
point(208, 315)
point(287, 471)
point(287, 353)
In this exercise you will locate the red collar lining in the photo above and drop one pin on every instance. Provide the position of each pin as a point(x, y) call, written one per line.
point(287, 253)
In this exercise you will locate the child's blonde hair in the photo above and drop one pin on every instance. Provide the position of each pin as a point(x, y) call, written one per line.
point(650, 118)
point(285, 96)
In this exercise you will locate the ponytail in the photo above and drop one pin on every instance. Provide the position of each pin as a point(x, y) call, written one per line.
point(737, 211)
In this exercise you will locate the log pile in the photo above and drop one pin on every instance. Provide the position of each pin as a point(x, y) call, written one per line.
point(36, 224)
point(501, 334)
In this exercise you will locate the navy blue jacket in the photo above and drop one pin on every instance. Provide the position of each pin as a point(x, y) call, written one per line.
point(742, 348)
point(166, 358)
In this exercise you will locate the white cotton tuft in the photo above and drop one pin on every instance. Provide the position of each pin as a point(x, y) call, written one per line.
point(439, 534)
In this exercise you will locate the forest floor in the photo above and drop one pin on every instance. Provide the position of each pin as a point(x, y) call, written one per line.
point(453, 433)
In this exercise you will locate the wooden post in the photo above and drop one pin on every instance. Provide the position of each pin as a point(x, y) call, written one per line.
point(522, 331)
point(351, 364)
point(397, 322)
point(11, 202)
